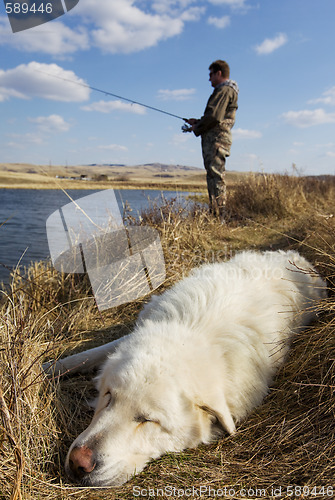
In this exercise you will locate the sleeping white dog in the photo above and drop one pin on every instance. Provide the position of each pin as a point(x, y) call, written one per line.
point(201, 357)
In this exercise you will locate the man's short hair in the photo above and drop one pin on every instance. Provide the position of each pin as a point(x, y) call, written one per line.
point(220, 66)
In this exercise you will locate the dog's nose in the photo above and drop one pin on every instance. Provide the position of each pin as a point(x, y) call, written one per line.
point(81, 461)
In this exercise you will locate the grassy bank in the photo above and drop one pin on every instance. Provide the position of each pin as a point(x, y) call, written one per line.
point(289, 440)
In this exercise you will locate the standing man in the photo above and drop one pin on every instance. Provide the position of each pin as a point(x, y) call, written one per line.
point(215, 129)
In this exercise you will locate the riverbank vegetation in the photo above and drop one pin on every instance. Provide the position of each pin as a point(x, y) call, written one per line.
point(288, 442)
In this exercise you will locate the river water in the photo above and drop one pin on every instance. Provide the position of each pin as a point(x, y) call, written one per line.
point(23, 215)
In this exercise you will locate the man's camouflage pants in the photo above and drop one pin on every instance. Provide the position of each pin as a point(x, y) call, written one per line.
point(214, 157)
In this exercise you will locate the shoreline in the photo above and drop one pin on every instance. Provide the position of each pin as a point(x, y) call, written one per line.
point(148, 177)
point(102, 186)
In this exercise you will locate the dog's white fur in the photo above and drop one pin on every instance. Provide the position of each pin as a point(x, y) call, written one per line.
point(201, 357)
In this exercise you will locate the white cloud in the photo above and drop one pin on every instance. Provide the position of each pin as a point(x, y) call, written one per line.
point(113, 147)
point(331, 154)
point(52, 123)
point(328, 97)
point(59, 41)
point(293, 151)
point(269, 45)
point(174, 7)
point(45, 81)
point(25, 139)
point(118, 26)
point(122, 27)
point(325, 145)
point(110, 106)
point(307, 118)
point(240, 133)
point(175, 95)
point(15, 145)
point(251, 156)
point(192, 14)
point(219, 22)
point(178, 140)
point(235, 4)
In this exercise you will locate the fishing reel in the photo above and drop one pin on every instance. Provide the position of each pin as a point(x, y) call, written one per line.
point(186, 128)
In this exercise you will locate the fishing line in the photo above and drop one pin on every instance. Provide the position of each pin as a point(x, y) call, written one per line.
point(111, 94)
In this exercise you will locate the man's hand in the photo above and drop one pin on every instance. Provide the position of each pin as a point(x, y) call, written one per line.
point(191, 121)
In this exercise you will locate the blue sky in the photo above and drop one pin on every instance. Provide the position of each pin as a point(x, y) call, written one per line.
point(158, 52)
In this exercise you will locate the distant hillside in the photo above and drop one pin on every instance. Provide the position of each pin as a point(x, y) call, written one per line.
point(154, 175)
point(96, 176)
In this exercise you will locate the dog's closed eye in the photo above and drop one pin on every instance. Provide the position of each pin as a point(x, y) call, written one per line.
point(143, 419)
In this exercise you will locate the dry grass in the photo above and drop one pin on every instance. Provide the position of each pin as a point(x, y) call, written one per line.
point(289, 440)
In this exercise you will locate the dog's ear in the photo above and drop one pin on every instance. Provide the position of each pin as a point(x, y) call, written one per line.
point(219, 409)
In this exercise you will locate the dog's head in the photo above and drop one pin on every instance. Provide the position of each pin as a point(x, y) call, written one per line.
point(143, 411)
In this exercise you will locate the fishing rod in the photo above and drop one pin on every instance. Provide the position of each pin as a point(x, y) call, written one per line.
point(111, 94)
